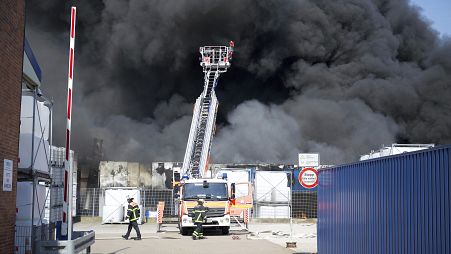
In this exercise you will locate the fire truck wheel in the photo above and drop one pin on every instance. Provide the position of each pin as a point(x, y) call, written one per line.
point(184, 231)
point(225, 230)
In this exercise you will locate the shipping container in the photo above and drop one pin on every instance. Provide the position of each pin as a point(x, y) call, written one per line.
point(394, 204)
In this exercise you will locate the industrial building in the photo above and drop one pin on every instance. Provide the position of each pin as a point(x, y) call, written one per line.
point(11, 54)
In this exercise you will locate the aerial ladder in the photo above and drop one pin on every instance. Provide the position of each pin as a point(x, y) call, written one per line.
point(191, 181)
point(214, 60)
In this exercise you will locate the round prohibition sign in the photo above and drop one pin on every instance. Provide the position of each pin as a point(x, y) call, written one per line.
point(308, 178)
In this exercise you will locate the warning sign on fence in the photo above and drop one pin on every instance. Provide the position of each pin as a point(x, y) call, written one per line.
point(308, 178)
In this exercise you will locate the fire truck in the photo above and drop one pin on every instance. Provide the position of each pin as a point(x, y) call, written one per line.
point(193, 181)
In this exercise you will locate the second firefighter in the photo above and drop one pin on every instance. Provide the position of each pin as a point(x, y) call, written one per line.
point(199, 215)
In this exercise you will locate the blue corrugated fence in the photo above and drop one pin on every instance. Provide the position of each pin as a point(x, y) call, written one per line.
point(395, 204)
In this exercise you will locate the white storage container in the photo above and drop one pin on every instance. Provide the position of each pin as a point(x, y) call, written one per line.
point(24, 202)
point(42, 116)
point(41, 153)
point(115, 197)
point(273, 212)
point(271, 186)
point(58, 157)
point(57, 175)
point(113, 214)
point(23, 237)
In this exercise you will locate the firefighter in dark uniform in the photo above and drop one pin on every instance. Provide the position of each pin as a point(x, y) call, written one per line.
point(199, 215)
point(133, 214)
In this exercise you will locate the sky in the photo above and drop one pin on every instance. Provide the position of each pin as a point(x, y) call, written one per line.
point(438, 12)
point(340, 77)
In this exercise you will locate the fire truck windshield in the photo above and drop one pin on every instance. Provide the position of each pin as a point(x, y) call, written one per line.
point(211, 191)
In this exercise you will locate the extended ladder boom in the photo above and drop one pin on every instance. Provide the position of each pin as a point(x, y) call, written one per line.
point(215, 60)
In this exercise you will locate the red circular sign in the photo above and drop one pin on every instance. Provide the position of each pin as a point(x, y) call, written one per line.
point(308, 178)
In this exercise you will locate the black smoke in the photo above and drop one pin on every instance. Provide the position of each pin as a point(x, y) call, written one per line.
point(336, 77)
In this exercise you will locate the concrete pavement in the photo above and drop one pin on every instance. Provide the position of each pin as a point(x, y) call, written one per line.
point(263, 238)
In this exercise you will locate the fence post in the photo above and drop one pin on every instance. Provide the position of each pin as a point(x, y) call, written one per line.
point(93, 197)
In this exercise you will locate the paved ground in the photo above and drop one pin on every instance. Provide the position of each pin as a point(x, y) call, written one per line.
point(262, 238)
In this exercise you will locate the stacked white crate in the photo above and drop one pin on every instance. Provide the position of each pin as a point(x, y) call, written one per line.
point(38, 157)
point(273, 193)
point(25, 211)
point(58, 157)
point(40, 138)
point(24, 203)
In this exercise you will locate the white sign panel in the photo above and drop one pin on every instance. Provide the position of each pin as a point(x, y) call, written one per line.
point(7, 175)
point(308, 160)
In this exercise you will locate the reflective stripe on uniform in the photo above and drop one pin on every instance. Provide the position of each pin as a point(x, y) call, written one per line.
point(134, 213)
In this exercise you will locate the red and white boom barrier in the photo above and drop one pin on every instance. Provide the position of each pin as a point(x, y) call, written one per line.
point(66, 226)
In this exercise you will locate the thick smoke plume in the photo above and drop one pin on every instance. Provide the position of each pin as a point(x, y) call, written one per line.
point(336, 77)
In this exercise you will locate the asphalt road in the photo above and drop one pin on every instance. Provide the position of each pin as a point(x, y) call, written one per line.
point(108, 240)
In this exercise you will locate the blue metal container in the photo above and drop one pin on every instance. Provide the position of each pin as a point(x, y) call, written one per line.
point(394, 204)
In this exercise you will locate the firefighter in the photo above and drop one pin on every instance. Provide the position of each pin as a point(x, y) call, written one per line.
point(133, 214)
point(199, 215)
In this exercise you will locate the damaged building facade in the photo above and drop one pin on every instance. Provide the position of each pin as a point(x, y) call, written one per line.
point(274, 188)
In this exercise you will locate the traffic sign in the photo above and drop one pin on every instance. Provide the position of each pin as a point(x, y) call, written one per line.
point(308, 178)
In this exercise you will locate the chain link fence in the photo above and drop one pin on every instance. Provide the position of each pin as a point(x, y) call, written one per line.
point(23, 241)
point(273, 198)
point(304, 204)
point(270, 201)
point(90, 201)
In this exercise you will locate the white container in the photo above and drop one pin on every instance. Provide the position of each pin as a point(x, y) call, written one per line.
point(41, 153)
point(116, 197)
point(58, 157)
point(273, 212)
point(23, 237)
point(42, 116)
point(113, 214)
point(57, 175)
point(271, 186)
point(24, 204)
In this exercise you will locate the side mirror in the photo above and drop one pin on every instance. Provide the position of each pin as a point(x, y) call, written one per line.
point(232, 191)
